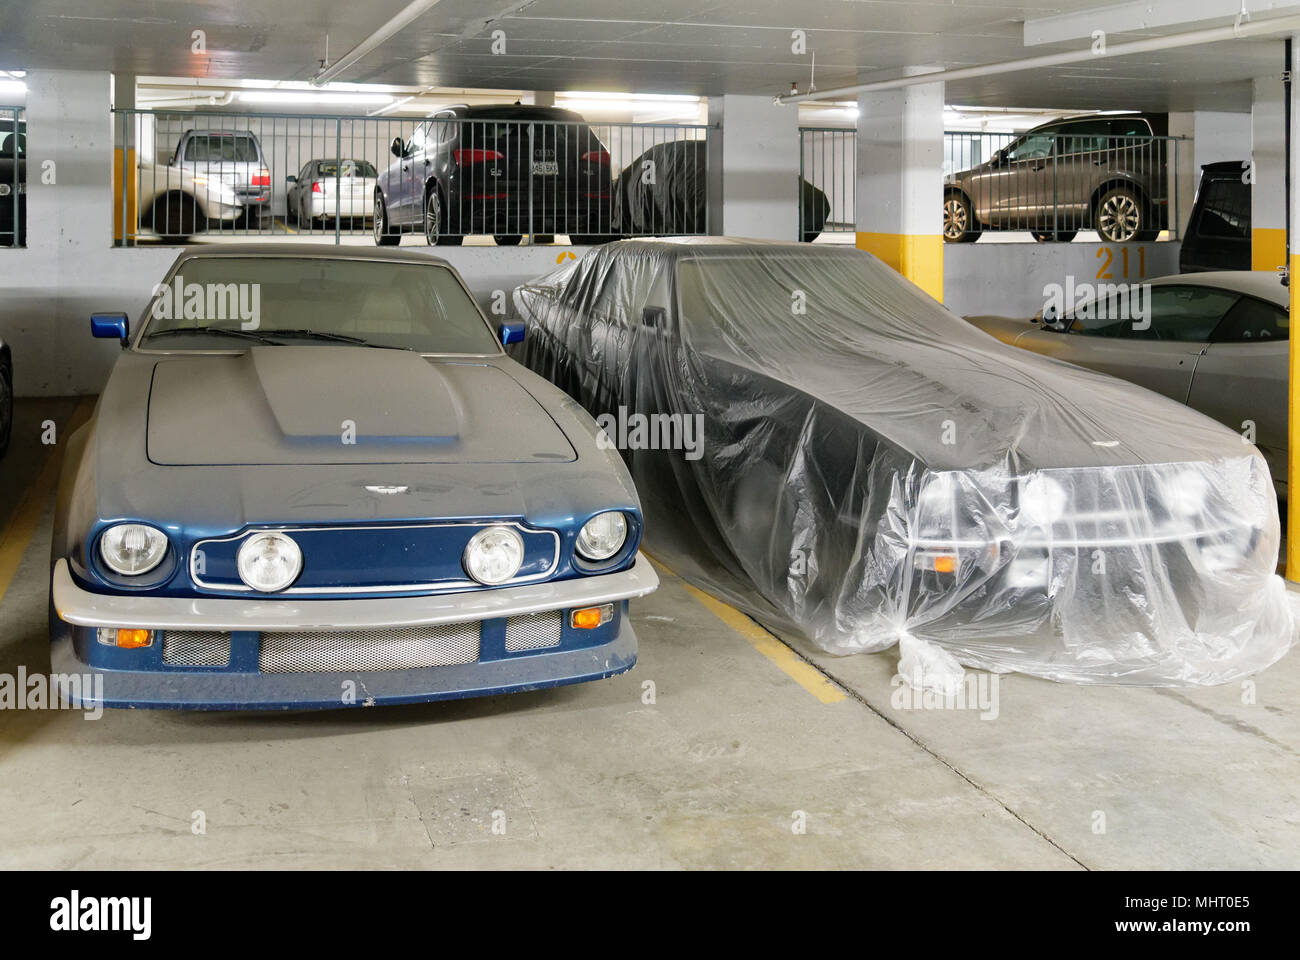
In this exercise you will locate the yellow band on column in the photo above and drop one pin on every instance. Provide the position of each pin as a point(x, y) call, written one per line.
point(919, 257)
point(1267, 248)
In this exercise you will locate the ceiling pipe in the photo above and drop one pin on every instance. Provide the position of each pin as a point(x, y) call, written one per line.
point(1258, 28)
point(412, 11)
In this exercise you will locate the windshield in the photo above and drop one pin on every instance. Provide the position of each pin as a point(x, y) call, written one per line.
point(227, 303)
point(351, 168)
point(222, 148)
point(788, 305)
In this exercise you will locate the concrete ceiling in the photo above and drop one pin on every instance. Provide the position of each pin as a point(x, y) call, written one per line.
point(667, 46)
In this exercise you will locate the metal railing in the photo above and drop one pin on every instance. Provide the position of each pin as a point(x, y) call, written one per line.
point(198, 176)
point(13, 177)
point(1124, 187)
point(827, 177)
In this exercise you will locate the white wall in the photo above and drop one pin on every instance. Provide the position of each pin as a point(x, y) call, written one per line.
point(754, 171)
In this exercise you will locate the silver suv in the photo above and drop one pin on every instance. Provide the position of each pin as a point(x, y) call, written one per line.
point(1106, 173)
point(232, 157)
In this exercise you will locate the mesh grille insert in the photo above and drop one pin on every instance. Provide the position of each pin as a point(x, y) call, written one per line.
point(534, 631)
point(196, 648)
point(405, 648)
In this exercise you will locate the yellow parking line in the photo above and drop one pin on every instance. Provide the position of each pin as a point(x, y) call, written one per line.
point(794, 667)
point(20, 529)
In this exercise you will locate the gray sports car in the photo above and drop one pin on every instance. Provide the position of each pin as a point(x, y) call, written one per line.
point(1214, 341)
point(315, 480)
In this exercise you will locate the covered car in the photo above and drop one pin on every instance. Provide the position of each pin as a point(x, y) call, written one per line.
point(829, 448)
point(664, 192)
point(332, 488)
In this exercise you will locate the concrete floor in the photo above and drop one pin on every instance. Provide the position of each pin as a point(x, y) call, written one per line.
point(742, 738)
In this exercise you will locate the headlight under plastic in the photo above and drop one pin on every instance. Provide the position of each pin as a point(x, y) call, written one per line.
point(494, 555)
point(269, 561)
point(602, 536)
point(1185, 493)
point(132, 548)
point(1043, 500)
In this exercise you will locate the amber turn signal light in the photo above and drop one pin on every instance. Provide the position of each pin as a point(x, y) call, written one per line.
point(589, 618)
point(128, 638)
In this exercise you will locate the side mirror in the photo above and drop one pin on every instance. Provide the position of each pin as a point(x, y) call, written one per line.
point(511, 331)
point(109, 326)
point(656, 317)
point(291, 179)
point(397, 147)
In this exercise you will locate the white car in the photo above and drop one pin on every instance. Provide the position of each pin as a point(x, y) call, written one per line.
point(176, 203)
point(311, 194)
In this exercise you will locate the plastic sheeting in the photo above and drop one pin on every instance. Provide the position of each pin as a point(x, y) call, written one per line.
point(847, 459)
point(664, 191)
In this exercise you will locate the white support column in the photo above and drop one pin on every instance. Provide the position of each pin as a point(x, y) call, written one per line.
point(1268, 196)
point(900, 181)
point(753, 177)
point(69, 167)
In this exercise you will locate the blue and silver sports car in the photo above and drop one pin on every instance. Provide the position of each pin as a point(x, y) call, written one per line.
point(315, 480)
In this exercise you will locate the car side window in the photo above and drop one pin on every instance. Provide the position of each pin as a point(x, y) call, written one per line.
point(1034, 146)
point(443, 128)
point(1252, 320)
point(305, 172)
point(1129, 127)
point(1182, 314)
point(1085, 137)
point(418, 139)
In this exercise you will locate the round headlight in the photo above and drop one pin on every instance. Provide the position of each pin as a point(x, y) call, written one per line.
point(494, 555)
point(602, 536)
point(269, 561)
point(1042, 500)
point(132, 548)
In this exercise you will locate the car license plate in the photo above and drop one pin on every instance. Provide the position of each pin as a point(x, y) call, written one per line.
point(545, 168)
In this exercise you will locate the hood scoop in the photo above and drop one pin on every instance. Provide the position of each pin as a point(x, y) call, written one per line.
point(321, 405)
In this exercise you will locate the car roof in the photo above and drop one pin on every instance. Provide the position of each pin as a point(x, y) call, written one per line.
point(323, 251)
point(511, 111)
point(1263, 284)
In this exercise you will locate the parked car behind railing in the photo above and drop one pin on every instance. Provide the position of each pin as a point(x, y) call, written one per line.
point(233, 157)
point(1103, 173)
point(503, 169)
point(176, 203)
point(324, 189)
point(13, 182)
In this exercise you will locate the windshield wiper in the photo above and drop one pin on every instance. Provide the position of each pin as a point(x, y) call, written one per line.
point(212, 331)
point(305, 334)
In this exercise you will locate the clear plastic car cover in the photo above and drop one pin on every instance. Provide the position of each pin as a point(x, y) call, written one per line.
point(824, 445)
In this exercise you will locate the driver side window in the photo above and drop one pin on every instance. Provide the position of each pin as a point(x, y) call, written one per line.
point(1035, 146)
point(1182, 314)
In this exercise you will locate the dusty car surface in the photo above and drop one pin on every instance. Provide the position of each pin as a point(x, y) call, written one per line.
point(334, 489)
point(1216, 341)
point(824, 444)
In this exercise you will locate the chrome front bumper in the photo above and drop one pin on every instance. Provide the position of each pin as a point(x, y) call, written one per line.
point(82, 608)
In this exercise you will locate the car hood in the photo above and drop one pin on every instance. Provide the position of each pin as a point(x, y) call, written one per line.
point(302, 405)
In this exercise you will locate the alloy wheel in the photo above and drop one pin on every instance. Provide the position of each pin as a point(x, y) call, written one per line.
point(1119, 218)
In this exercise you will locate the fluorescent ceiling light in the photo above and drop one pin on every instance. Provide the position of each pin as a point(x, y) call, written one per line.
point(12, 88)
point(303, 96)
point(646, 97)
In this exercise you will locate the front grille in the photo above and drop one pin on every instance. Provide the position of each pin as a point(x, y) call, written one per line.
point(404, 648)
point(534, 631)
point(196, 648)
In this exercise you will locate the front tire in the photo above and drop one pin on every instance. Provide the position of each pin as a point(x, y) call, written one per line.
point(175, 218)
point(959, 220)
point(382, 232)
point(1122, 216)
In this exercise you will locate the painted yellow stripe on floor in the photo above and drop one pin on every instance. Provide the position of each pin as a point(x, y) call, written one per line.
point(18, 533)
point(798, 670)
